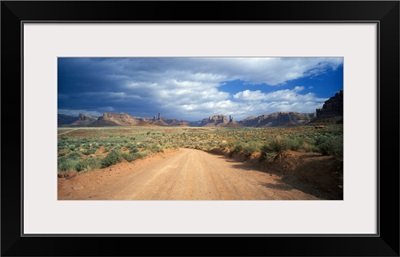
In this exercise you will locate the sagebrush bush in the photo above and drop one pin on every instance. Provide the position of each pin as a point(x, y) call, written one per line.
point(134, 149)
point(65, 164)
point(294, 144)
point(157, 148)
point(75, 155)
point(88, 164)
point(273, 147)
point(236, 148)
point(113, 157)
point(277, 145)
point(250, 148)
point(89, 152)
point(330, 146)
point(245, 148)
point(132, 156)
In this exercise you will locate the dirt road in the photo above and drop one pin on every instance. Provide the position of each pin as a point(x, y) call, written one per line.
point(185, 174)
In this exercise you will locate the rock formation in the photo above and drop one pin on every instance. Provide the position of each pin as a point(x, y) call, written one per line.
point(175, 122)
point(214, 121)
point(83, 120)
point(114, 119)
point(143, 122)
point(331, 111)
point(278, 119)
point(63, 119)
point(159, 123)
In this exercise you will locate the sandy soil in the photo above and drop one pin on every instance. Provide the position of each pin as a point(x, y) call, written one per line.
point(183, 174)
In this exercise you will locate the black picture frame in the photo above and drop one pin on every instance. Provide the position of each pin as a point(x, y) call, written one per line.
point(384, 13)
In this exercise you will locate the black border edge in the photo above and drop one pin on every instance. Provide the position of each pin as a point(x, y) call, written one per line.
point(387, 243)
point(378, 118)
point(22, 126)
point(10, 81)
point(389, 127)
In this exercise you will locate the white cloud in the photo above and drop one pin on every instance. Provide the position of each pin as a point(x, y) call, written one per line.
point(288, 95)
point(189, 88)
point(281, 100)
point(298, 88)
point(114, 95)
point(270, 71)
point(248, 95)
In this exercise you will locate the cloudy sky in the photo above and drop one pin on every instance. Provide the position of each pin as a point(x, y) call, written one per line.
point(195, 88)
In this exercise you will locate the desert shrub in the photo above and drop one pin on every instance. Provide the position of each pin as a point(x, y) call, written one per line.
point(236, 148)
point(250, 148)
point(294, 144)
point(130, 156)
point(133, 149)
point(113, 157)
point(265, 151)
point(65, 163)
point(156, 148)
point(88, 164)
point(134, 156)
point(276, 145)
point(330, 146)
point(245, 148)
point(89, 151)
point(273, 147)
point(308, 145)
point(75, 156)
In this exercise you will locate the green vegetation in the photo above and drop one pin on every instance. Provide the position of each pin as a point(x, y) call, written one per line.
point(92, 148)
point(114, 157)
point(89, 164)
point(329, 145)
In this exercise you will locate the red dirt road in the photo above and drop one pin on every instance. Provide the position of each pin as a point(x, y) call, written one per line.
point(185, 174)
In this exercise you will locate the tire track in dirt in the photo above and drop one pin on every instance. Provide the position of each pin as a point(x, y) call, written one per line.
point(186, 174)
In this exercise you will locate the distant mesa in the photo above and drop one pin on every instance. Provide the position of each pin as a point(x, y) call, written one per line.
point(114, 119)
point(175, 122)
point(330, 113)
point(63, 119)
point(143, 122)
point(83, 120)
point(214, 121)
point(278, 119)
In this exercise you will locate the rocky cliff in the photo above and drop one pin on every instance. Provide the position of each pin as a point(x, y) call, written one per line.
point(83, 120)
point(63, 119)
point(332, 110)
point(278, 119)
point(114, 119)
point(175, 122)
point(214, 121)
